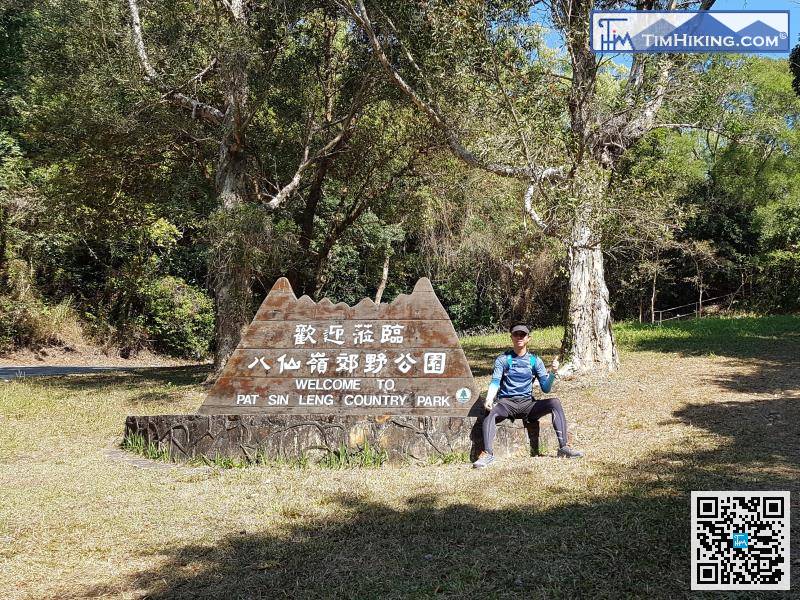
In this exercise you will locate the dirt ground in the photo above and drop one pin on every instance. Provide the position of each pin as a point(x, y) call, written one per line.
point(86, 356)
point(77, 522)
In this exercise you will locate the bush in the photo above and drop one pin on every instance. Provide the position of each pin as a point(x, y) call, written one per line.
point(29, 322)
point(8, 324)
point(180, 318)
point(778, 281)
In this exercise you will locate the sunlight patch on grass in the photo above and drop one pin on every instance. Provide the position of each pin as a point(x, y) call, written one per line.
point(731, 335)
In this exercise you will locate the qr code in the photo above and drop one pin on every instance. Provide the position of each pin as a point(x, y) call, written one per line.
point(740, 540)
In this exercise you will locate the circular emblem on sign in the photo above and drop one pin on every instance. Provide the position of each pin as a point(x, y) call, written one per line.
point(463, 395)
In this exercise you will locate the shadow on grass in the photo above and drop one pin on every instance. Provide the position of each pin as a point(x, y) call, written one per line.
point(760, 450)
point(759, 434)
point(767, 347)
point(147, 385)
point(631, 543)
point(374, 551)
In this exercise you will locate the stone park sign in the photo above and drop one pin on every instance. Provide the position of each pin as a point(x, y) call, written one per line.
point(314, 376)
point(299, 356)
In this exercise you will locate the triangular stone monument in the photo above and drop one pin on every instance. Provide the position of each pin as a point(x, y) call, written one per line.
point(303, 357)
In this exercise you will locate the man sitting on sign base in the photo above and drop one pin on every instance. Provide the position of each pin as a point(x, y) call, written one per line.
point(512, 384)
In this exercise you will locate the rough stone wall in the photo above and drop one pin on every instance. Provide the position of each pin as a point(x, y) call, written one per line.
point(292, 436)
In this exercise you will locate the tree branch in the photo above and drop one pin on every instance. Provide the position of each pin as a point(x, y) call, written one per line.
point(281, 196)
point(207, 112)
point(353, 212)
point(697, 126)
point(511, 108)
point(620, 132)
point(533, 214)
point(361, 17)
point(199, 77)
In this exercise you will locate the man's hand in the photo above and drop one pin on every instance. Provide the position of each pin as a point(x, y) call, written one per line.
point(555, 365)
point(488, 404)
point(566, 371)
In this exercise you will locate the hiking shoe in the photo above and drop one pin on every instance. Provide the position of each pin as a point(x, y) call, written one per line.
point(484, 460)
point(567, 452)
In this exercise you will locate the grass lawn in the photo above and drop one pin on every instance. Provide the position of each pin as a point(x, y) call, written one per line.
point(706, 405)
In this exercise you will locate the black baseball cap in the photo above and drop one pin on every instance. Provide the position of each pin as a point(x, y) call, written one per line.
point(521, 328)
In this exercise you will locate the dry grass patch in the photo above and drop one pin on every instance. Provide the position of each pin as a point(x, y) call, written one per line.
point(74, 524)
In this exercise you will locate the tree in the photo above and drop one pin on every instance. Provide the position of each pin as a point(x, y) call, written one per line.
point(245, 58)
point(749, 170)
point(109, 195)
point(605, 118)
point(111, 179)
point(794, 65)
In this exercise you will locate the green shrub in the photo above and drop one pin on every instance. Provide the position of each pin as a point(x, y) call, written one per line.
point(8, 324)
point(28, 322)
point(778, 281)
point(180, 318)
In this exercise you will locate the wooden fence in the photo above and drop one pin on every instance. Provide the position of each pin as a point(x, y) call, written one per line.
point(695, 309)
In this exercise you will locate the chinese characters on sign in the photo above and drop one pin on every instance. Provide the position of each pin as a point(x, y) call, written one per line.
point(362, 334)
point(409, 363)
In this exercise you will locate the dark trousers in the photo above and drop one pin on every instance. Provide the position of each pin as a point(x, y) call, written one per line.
point(530, 411)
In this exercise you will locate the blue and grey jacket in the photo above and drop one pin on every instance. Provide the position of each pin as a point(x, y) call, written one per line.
point(513, 375)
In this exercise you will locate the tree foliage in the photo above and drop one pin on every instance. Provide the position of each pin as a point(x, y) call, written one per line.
point(110, 198)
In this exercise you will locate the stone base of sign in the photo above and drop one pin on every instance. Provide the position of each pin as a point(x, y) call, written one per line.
point(294, 436)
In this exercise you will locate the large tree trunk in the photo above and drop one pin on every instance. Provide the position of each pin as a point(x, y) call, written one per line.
point(300, 273)
point(231, 278)
point(232, 292)
point(233, 312)
point(588, 340)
